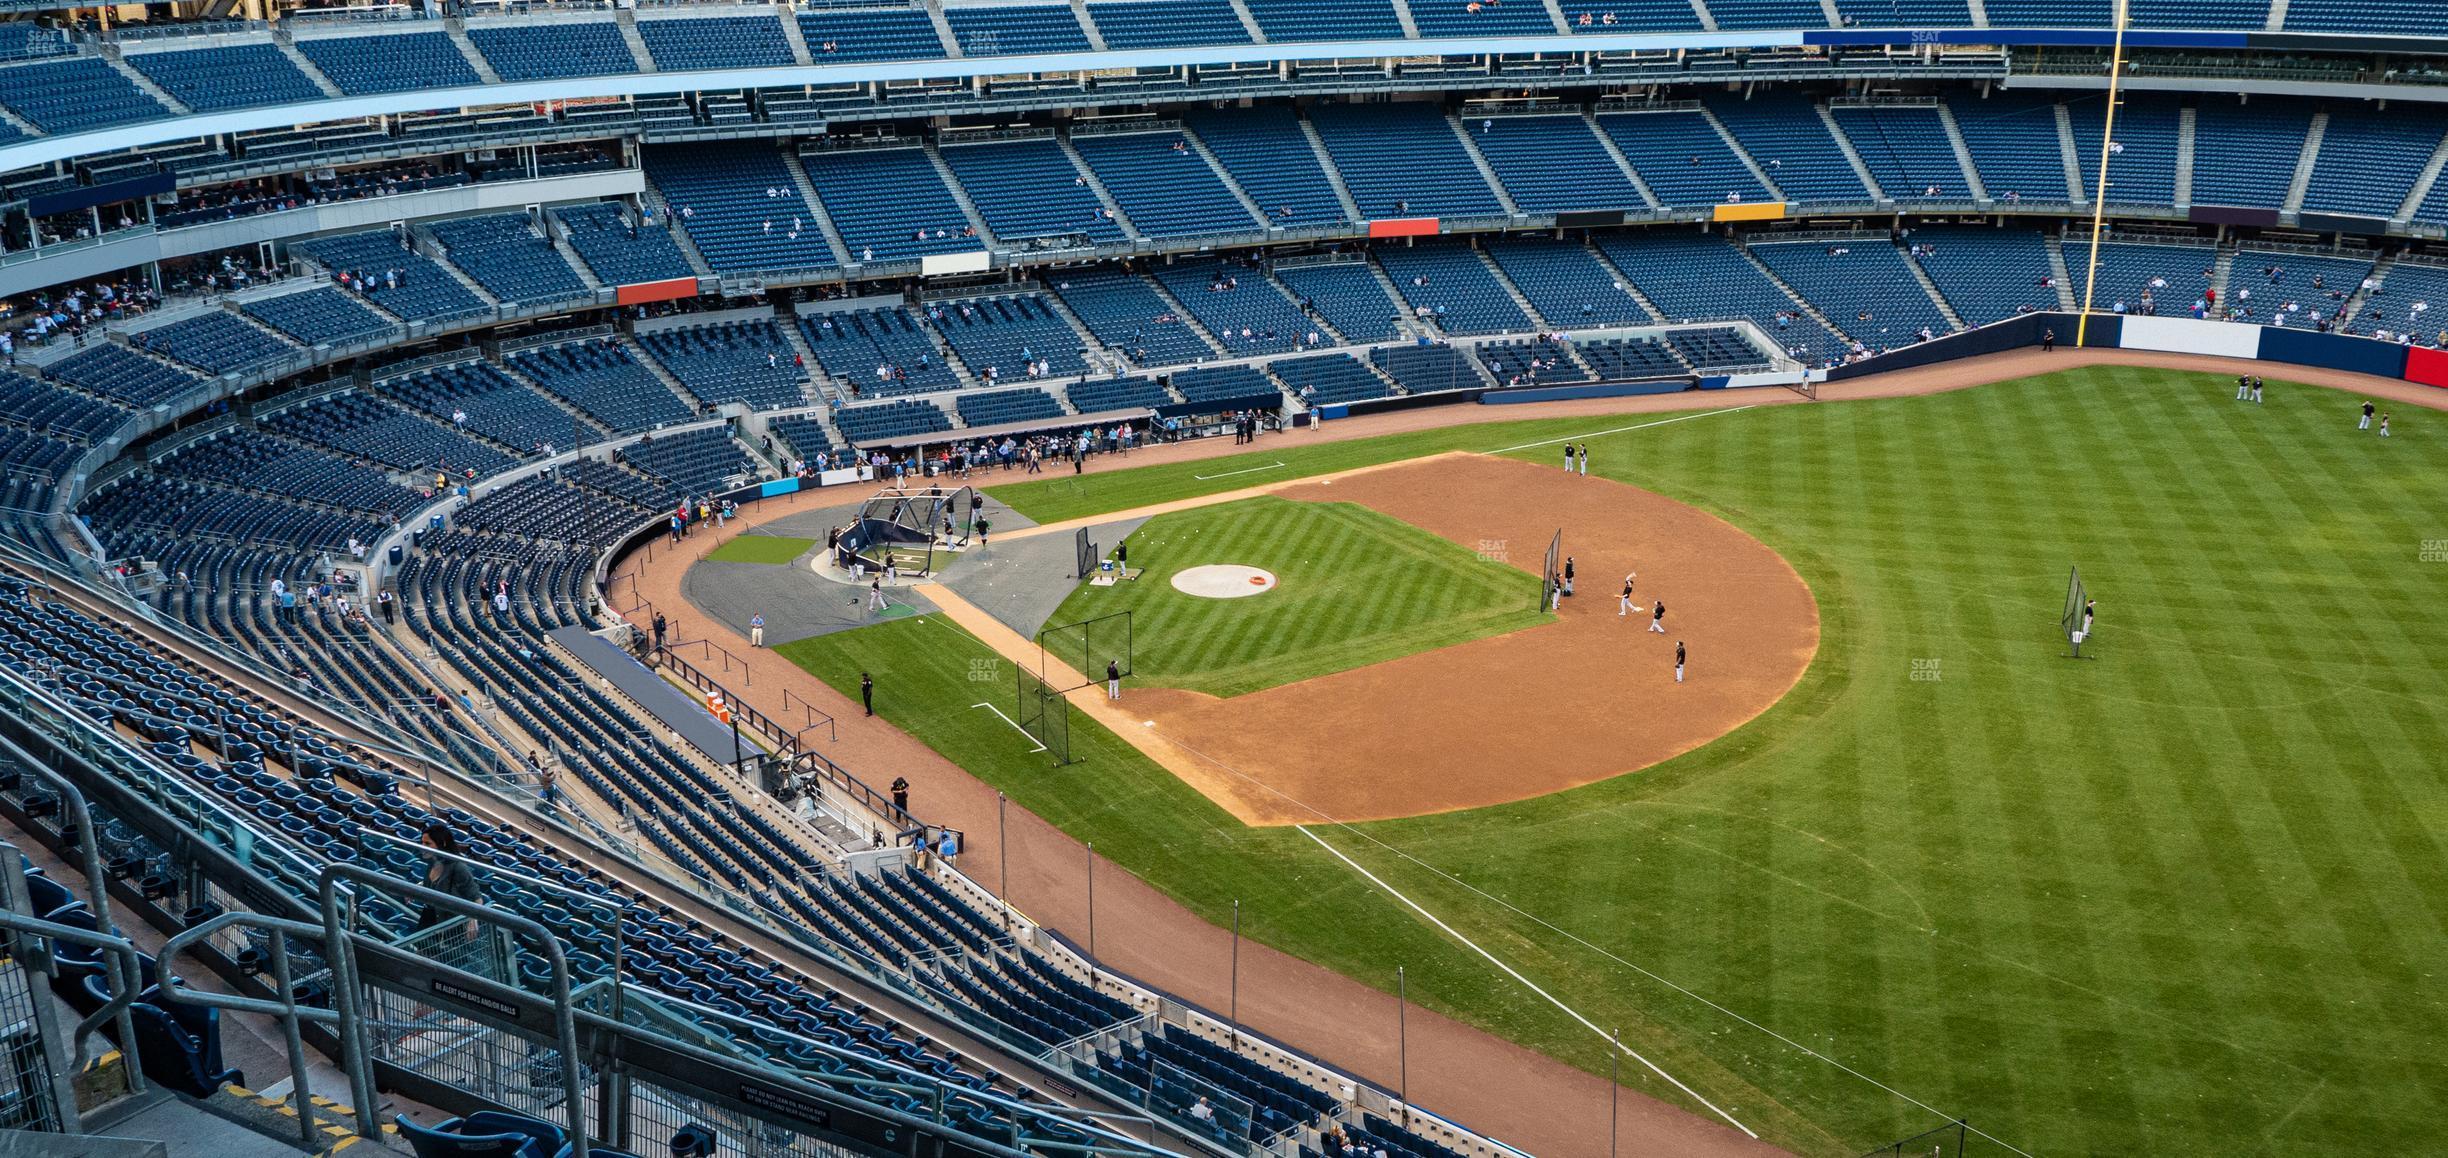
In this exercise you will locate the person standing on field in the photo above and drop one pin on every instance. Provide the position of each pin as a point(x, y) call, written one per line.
point(2256, 390)
point(1657, 618)
point(1678, 661)
point(1584, 460)
point(2367, 415)
point(1623, 607)
point(867, 694)
point(2243, 387)
point(1113, 679)
point(756, 631)
point(1570, 455)
point(1568, 575)
point(2384, 426)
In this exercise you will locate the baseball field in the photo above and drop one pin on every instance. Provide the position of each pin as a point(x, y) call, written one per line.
point(2187, 894)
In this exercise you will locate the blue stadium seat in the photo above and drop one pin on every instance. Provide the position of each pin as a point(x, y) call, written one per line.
point(1785, 136)
point(506, 256)
point(738, 204)
point(1264, 151)
point(1566, 284)
point(1015, 29)
point(1165, 187)
point(1128, 315)
point(1295, 20)
point(1863, 287)
point(2015, 145)
point(1448, 280)
point(889, 204)
point(68, 96)
point(2246, 154)
point(319, 316)
point(1682, 159)
point(229, 77)
point(686, 44)
point(1907, 151)
point(562, 48)
point(1553, 164)
point(1986, 274)
point(1346, 294)
point(1403, 160)
point(377, 64)
point(2369, 159)
point(1028, 189)
point(748, 362)
point(1128, 24)
point(846, 35)
point(425, 291)
point(622, 252)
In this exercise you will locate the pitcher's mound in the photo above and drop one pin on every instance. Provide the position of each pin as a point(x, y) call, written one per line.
point(1223, 581)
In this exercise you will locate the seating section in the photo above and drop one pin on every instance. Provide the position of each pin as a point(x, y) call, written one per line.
point(1346, 294)
point(1743, 14)
point(1448, 281)
point(1295, 20)
point(1128, 24)
point(1721, 351)
point(1015, 29)
point(747, 362)
point(1785, 136)
point(899, 418)
point(377, 64)
point(68, 96)
point(847, 35)
point(2142, 165)
point(232, 77)
point(889, 204)
point(250, 460)
point(1682, 159)
point(1264, 152)
point(2142, 278)
point(1426, 369)
point(997, 338)
point(552, 50)
point(1329, 379)
point(1905, 13)
point(1000, 407)
point(1128, 315)
point(218, 341)
point(1243, 308)
point(601, 379)
point(617, 249)
point(1629, 359)
point(740, 206)
point(2052, 13)
point(377, 431)
point(506, 256)
point(1530, 361)
point(1907, 151)
point(1566, 284)
point(804, 438)
point(691, 44)
point(1445, 18)
point(697, 462)
point(1403, 160)
point(2391, 306)
point(1164, 186)
point(2369, 160)
point(1697, 278)
point(120, 373)
point(1226, 384)
point(479, 397)
point(877, 352)
point(2246, 154)
point(1986, 274)
point(2260, 284)
point(1098, 395)
point(1028, 189)
point(2015, 145)
point(421, 290)
point(2249, 15)
point(40, 406)
point(1553, 164)
point(1599, 16)
point(1863, 287)
point(2370, 17)
point(319, 316)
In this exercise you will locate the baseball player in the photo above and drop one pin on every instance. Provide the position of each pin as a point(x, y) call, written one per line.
point(2384, 426)
point(1623, 607)
point(2256, 391)
point(2090, 608)
point(2243, 387)
point(1585, 460)
point(875, 594)
point(1113, 679)
point(1569, 456)
point(1678, 661)
point(1657, 618)
point(2367, 415)
point(1568, 574)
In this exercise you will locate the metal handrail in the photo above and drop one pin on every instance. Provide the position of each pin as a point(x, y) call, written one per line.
point(292, 1015)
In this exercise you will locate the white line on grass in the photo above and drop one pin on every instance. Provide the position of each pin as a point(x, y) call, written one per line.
point(1623, 429)
point(1014, 723)
point(1230, 473)
point(1515, 974)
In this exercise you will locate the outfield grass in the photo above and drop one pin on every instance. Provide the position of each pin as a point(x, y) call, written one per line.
point(760, 549)
point(1355, 587)
point(2189, 896)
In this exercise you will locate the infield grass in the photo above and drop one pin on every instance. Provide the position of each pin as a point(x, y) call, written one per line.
point(760, 549)
point(1354, 587)
point(2189, 896)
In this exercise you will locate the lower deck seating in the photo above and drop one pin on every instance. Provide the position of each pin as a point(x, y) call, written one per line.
point(1327, 379)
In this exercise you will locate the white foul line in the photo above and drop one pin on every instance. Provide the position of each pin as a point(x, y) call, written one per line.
point(1230, 473)
point(1622, 429)
point(1532, 986)
point(1014, 723)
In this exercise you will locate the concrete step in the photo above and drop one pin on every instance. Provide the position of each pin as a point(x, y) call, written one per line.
point(1334, 176)
point(626, 20)
point(1844, 143)
point(1727, 135)
point(475, 59)
point(2303, 164)
point(1621, 162)
point(824, 221)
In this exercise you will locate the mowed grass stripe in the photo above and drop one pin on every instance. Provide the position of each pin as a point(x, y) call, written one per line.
point(1354, 588)
point(2186, 897)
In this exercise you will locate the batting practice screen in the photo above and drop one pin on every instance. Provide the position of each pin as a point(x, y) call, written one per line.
point(1551, 577)
point(2071, 622)
point(1084, 555)
point(1044, 715)
point(1086, 646)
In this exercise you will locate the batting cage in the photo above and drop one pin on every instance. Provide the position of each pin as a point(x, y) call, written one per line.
point(1044, 715)
point(1551, 576)
point(907, 528)
point(1086, 647)
point(2076, 599)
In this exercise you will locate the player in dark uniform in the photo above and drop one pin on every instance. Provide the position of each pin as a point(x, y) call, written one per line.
point(1678, 661)
point(1657, 618)
point(2368, 408)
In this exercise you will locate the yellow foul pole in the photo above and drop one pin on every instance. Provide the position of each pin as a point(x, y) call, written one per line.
point(2099, 196)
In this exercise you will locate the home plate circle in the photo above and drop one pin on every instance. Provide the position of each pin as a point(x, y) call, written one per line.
point(1223, 581)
